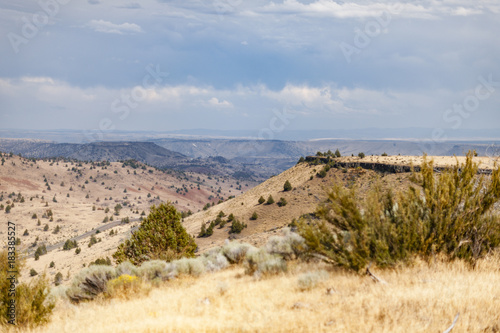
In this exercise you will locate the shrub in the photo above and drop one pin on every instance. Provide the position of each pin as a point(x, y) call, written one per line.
point(101, 261)
point(190, 266)
point(160, 236)
point(310, 280)
point(214, 260)
point(46, 227)
point(126, 267)
point(70, 244)
point(125, 286)
point(52, 264)
point(235, 252)
point(260, 263)
point(78, 250)
point(34, 217)
point(261, 200)
point(270, 200)
point(26, 233)
point(254, 216)
point(90, 282)
point(56, 230)
point(32, 304)
point(92, 241)
point(384, 154)
point(40, 251)
point(289, 246)
point(237, 227)
point(337, 153)
point(361, 155)
point(287, 186)
point(282, 202)
point(33, 272)
point(449, 214)
point(206, 232)
point(156, 269)
point(322, 173)
point(58, 278)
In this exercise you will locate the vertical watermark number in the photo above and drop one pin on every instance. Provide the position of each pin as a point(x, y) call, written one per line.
point(12, 272)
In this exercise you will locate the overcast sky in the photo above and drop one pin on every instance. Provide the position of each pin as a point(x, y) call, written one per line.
point(230, 64)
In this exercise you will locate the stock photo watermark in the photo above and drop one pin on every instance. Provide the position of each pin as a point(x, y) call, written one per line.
point(371, 30)
point(459, 112)
point(122, 106)
point(470, 104)
point(33, 24)
point(277, 124)
point(223, 7)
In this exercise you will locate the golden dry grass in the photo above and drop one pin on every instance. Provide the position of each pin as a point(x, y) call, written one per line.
point(421, 298)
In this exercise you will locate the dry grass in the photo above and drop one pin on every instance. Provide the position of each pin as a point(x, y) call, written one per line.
point(422, 298)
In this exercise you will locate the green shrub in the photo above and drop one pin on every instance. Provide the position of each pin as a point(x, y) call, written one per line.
point(261, 200)
point(254, 216)
point(287, 186)
point(52, 264)
point(270, 200)
point(282, 202)
point(361, 155)
point(40, 251)
point(58, 278)
point(33, 272)
point(237, 227)
point(207, 232)
point(32, 306)
point(160, 236)
point(92, 241)
point(70, 244)
point(449, 213)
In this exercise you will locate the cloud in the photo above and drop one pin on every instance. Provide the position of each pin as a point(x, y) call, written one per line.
point(111, 28)
point(328, 8)
point(132, 5)
point(214, 101)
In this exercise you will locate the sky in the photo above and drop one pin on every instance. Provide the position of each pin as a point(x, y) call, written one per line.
point(265, 66)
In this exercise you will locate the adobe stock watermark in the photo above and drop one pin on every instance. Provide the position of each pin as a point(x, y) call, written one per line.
point(459, 112)
point(493, 153)
point(32, 25)
point(372, 29)
point(122, 106)
point(222, 7)
point(277, 124)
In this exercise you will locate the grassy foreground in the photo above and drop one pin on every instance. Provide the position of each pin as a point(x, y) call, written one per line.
point(421, 298)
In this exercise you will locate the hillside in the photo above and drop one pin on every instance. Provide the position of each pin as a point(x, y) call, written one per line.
point(80, 197)
point(309, 190)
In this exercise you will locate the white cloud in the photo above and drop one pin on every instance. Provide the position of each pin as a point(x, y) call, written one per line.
point(429, 9)
point(214, 101)
point(112, 28)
